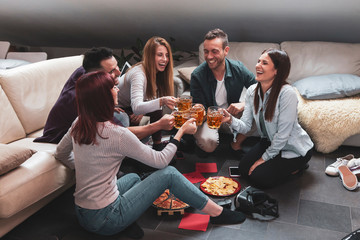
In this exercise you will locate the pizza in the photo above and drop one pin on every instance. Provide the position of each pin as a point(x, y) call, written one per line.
point(162, 197)
point(168, 201)
point(220, 186)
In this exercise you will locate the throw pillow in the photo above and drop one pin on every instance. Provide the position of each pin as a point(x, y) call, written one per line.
point(12, 156)
point(185, 73)
point(328, 86)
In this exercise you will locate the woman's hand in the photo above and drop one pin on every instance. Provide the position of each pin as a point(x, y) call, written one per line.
point(189, 127)
point(256, 164)
point(169, 101)
point(227, 118)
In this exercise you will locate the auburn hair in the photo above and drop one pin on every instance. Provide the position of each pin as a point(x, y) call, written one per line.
point(282, 64)
point(95, 104)
point(162, 83)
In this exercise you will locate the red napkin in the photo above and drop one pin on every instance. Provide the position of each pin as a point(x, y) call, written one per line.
point(194, 221)
point(194, 177)
point(206, 167)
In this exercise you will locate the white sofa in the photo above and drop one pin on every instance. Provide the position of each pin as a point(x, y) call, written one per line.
point(330, 123)
point(27, 93)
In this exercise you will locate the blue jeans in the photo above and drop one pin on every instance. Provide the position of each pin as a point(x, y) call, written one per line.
point(122, 119)
point(136, 197)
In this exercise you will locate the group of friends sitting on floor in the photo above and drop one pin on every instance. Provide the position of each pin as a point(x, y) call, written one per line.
point(95, 124)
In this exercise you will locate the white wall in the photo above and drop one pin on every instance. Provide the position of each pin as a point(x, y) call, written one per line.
point(117, 23)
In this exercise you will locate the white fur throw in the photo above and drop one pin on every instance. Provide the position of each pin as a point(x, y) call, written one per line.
point(329, 122)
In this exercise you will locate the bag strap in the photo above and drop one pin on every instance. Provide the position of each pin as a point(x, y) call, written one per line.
point(265, 206)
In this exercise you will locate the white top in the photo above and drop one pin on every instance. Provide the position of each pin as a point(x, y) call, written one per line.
point(132, 92)
point(221, 94)
point(96, 166)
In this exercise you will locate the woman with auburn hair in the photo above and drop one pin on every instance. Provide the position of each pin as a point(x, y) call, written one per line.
point(284, 148)
point(149, 85)
point(104, 204)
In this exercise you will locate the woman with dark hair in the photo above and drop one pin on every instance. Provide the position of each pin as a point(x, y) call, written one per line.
point(107, 205)
point(284, 148)
point(149, 85)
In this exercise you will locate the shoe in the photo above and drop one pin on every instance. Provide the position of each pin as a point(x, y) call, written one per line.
point(228, 217)
point(354, 165)
point(134, 231)
point(349, 179)
point(332, 169)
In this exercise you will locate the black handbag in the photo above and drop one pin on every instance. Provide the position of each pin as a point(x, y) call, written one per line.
point(257, 204)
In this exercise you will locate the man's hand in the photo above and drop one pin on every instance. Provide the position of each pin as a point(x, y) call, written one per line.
point(167, 122)
point(236, 108)
point(118, 110)
point(135, 119)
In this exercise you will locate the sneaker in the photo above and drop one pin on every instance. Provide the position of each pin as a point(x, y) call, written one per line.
point(332, 169)
point(354, 165)
point(348, 178)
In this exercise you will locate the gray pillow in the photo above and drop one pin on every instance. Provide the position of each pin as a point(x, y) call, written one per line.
point(11, 63)
point(328, 86)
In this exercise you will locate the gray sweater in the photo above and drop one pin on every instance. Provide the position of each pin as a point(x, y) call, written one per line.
point(97, 165)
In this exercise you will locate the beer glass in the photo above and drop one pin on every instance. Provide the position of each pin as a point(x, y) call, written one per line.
point(179, 120)
point(214, 116)
point(200, 112)
point(184, 103)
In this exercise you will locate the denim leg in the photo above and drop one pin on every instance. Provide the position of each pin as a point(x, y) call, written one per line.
point(121, 118)
point(133, 203)
point(127, 181)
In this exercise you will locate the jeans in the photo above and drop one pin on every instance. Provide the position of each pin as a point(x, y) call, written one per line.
point(136, 197)
point(122, 119)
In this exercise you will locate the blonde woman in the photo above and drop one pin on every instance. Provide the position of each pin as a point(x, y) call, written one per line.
point(149, 85)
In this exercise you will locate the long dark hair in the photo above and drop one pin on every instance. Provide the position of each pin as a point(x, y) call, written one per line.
point(282, 63)
point(95, 104)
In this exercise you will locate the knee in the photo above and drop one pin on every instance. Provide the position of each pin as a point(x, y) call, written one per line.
point(133, 177)
point(207, 144)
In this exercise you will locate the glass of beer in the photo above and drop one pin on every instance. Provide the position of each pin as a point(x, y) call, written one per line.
point(214, 116)
point(184, 103)
point(179, 120)
point(200, 112)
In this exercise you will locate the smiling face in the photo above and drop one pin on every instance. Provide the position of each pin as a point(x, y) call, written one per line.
point(265, 69)
point(110, 66)
point(214, 53)
point(161, 58)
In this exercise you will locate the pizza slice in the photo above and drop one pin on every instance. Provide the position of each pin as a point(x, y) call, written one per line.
point(162, 197)
point(165, 204)
point(178, 204)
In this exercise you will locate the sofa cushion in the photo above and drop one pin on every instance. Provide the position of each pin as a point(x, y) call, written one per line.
point(10, 125)
point(322, 58)
point(328, 86)
point(185, 73)
point(38, 177)
point(12, 156)
point(246, 52)
point(41, 84)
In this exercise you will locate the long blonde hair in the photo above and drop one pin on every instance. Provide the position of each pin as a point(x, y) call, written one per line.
point(162, 83)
